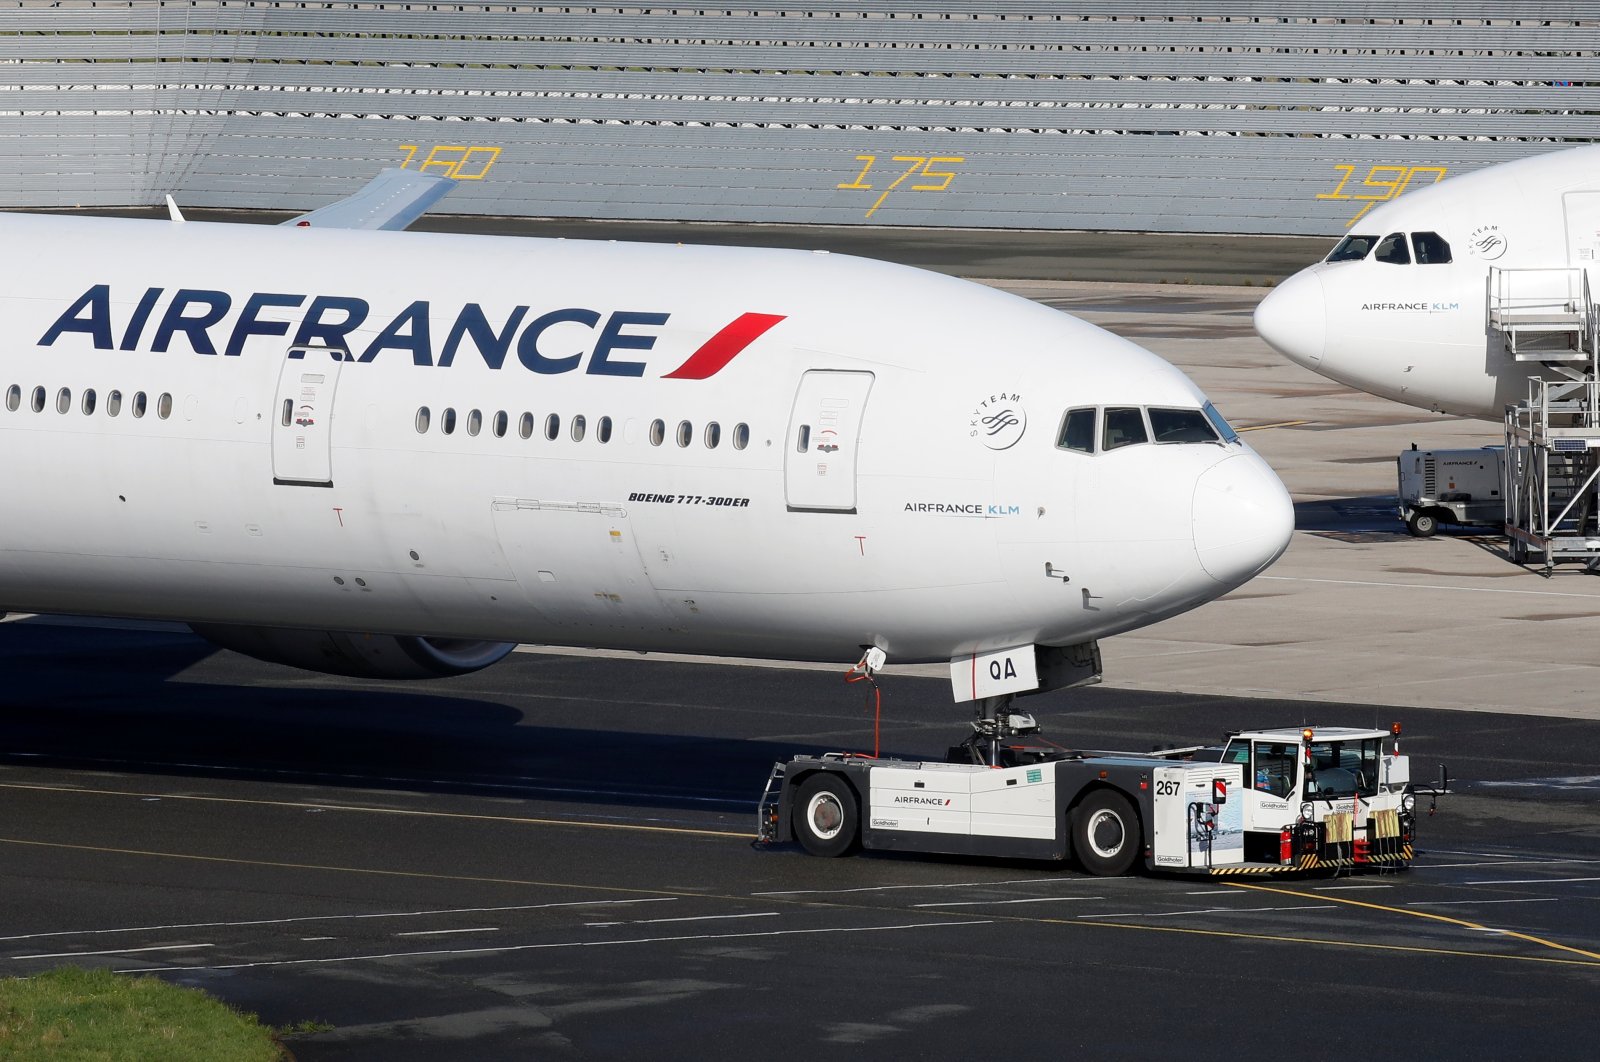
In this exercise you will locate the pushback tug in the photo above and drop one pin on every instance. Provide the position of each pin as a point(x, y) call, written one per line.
point(1266, 801)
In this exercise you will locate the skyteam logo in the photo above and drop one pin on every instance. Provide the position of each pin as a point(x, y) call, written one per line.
point(1486, 242)
point(610, 343)
point(998, 421)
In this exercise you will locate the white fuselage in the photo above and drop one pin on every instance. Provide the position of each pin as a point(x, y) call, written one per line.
point(272, 483)
point(1417, 332)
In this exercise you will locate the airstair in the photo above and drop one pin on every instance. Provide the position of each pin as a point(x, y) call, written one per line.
point(1552, 460)
point(1545, 315)
point(1552, 472)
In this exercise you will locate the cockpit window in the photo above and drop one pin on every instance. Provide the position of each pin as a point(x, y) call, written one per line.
point(1077, 431)
point(1351, 249)
point(1432, 249)
point(1224, 429)
point(1124, 427)
point(1181, 426)
point(1393, 250)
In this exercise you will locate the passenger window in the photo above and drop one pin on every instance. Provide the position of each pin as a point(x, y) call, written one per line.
point(164, 406)
point(602, 429)
point(38, 400)
point(1124, 427)
point(580, 427)
point(501, 422)
point(14, 397)
point(474, 422)
point(1431, 248)
point(1181, 426)
point(1393, 250)
point(552, 427)
point(448, 423)
point(658, 432)
point(1351, 249)
point(64, 400)
point(685, 433)
point(1077, 431)
point(88, 401)
point(113, 403)
point(713, 435)
point(741, 436)
point(139, 404)
point(424, 417)
point(525, 426)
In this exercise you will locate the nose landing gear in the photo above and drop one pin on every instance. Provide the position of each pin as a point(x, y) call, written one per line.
point(1004, 738)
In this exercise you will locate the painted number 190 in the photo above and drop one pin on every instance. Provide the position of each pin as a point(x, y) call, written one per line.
point(1384, 183)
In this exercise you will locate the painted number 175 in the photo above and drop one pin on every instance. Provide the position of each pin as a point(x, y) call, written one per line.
point(922, 165)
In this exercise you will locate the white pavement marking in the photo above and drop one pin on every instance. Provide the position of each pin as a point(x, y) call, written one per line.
point(1423, 586)
point(1510, 863)
point(689, 918)
point(995, 903)
point(1457, 903)
point(115, 951)
point(335, 918)
point(1213, 910)
point(1527, 881)
point(444, 932)
point(562, 944)
point(889, 888)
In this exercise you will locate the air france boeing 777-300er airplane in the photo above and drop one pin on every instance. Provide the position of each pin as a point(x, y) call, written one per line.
point(398, 454)
point(1451, 296)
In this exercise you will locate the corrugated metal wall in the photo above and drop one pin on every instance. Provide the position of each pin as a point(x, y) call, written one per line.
point(1252, 116)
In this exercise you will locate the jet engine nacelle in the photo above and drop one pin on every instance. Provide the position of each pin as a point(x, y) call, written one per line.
point(384, 656)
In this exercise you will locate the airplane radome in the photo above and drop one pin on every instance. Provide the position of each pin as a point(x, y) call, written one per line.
point(397, 454)
point(1401, 307)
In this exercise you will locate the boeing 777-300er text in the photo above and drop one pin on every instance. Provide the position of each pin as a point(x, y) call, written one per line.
point(399, 454)
point(1451, 296)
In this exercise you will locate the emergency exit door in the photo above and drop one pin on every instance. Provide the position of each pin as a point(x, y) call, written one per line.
point(302, 419)
point(824, 439)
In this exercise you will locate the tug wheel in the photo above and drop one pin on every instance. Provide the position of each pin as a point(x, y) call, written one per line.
point(826, 819)
point(1422, 525)
point(1105, 833)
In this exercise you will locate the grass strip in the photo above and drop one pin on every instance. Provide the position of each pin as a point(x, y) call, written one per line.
point(75, 1015)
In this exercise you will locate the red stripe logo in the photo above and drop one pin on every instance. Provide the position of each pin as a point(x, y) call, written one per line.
point(715, 353)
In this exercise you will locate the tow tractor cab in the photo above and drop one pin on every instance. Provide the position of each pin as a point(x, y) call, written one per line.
point(1266, 801)
point(1324, 797)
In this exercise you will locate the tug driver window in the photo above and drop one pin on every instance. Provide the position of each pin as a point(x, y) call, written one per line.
point(1272, 771)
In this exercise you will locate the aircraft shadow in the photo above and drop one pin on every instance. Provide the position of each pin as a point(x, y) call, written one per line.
point(171, 704)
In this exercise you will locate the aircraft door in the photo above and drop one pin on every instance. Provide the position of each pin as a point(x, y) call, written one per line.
point(824, 436)
point(1583, 230)
point(302, 417)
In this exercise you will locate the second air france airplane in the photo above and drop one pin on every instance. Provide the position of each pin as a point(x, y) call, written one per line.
point(1450, 297)
point(399, 453)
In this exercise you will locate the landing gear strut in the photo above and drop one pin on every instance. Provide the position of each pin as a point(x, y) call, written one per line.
point(1004, 738)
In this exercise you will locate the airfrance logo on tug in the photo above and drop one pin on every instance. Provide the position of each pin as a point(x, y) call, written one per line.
point(554, 341)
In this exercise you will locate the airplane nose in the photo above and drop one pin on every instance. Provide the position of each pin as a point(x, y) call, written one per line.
point(1293, 318)
point(1242, 518)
